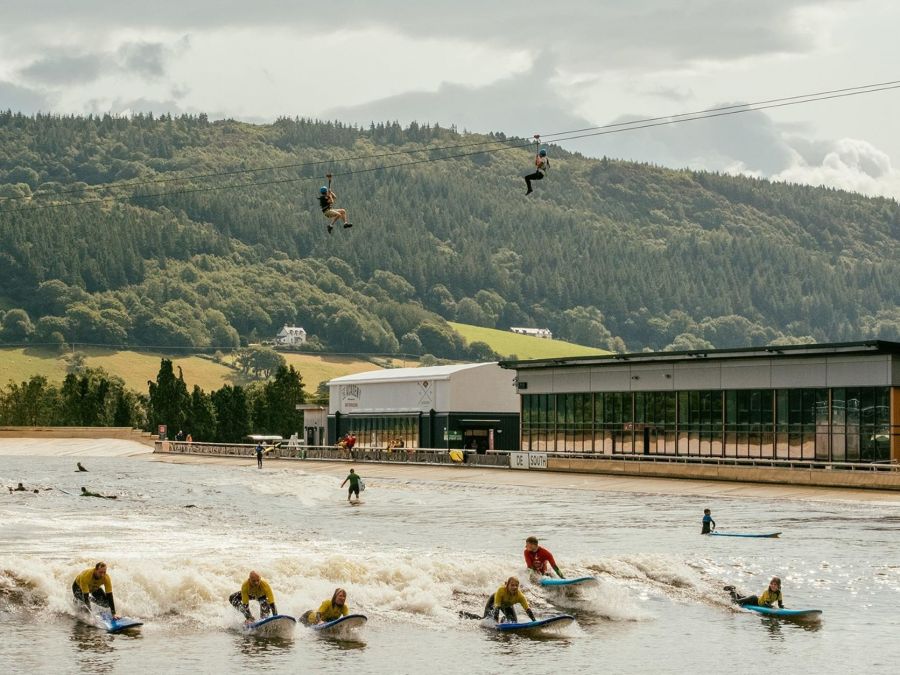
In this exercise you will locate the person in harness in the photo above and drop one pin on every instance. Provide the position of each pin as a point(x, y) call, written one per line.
point(327, 198)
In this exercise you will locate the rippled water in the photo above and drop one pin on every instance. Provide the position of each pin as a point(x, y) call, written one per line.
point(181, 538)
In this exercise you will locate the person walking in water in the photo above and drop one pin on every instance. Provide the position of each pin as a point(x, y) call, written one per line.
point(259, 454)
point(254, 588)
point(709, 525)
point(353, 478)
point(329, 610)
point(88, 584)
point(505, 600)
point(539, 559)
point(327, 198)
point(767, 598)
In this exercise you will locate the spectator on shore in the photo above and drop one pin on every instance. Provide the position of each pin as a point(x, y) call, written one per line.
point(179, 436)
point(189, 439)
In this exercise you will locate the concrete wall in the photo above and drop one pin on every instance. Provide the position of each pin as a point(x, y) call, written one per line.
point(490, 389)
point(126, 433)
point(887, 480)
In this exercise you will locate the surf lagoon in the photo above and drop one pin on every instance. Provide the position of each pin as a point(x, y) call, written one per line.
point(425, 544)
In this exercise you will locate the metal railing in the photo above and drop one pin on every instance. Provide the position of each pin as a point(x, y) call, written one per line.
point(332, 453)
point(498, 458)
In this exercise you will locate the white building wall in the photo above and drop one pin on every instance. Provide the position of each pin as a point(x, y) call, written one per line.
point(486, 389)
point(766, 373)
point(387, 397)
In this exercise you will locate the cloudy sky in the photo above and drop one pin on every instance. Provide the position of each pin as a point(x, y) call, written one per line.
point(519, 67)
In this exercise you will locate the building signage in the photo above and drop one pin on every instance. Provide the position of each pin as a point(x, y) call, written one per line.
point(426, 395)
point(162, 432)
point(349, 396)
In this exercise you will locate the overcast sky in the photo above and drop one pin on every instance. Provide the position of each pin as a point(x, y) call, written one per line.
point(517, 67)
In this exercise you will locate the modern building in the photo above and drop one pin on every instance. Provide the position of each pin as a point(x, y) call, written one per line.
point(472, 405)
point(821, 402)
point(290, 336)
point(543, 333)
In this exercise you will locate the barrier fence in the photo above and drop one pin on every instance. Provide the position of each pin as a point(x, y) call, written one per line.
point(514, 460)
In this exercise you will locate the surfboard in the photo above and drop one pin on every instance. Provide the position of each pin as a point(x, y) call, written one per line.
point(343, 624)
point(362, 485)
point(768, 535)
point(118, 625)
point(534, 627)
point(785, 613)
point(580, 581)
point(279, 625)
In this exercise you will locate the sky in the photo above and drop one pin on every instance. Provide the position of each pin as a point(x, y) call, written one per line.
point(517, 67)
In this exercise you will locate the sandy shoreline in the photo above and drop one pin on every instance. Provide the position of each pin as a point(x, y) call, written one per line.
point(548, 479)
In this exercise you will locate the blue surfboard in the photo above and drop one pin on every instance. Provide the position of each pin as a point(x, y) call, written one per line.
point(785, 613)
point(541, 625)
point(344, 623)
point(280, 625)
point(118, 625)
point(580, 581)
point(768, 535)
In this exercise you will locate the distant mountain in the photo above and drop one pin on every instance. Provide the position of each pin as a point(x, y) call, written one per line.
point(608, 254)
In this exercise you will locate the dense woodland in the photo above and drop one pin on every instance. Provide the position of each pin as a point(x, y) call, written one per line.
point(606, 253)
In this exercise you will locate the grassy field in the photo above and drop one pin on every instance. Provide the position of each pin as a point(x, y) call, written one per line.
point(523, 346)
point(136, 368)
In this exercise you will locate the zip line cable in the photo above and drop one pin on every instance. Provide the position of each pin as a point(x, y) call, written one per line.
point(619, 127)
point(127, 185)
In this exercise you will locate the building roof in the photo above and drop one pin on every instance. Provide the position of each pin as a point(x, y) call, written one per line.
point(770, 351)
point(407, 374)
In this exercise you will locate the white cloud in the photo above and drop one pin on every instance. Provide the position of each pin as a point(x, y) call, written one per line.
point(850, 164)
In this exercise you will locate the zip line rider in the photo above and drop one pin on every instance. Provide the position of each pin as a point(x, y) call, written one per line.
point(327, 198)
point(541, 163)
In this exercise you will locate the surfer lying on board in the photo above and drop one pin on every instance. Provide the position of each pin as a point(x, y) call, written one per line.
point(709, 525)
point(768, 597)
point(88, 584)
point(328, 610)
point(539, 559)
point(505, 600)
point(255, 588)
point(87, 493)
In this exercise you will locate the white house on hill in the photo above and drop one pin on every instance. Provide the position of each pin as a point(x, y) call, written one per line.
point(534, 332)
point(290, 335)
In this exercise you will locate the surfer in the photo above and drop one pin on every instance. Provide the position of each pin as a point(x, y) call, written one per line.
point(505, 600)
point(537, 558)
point(88, 584)
point(87, 493)
point(329, 610)
point(80, 468)
point(255, 588)
point(709, 525)
point(19, 488)
point(354, 484)
point(259, 454)
point(768, 597)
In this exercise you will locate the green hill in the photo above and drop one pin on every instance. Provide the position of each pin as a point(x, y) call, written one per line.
point(136, 368)
point(609, 254)
point(507, 343)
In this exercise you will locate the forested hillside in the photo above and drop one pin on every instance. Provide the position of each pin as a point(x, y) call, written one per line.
point(605, 253)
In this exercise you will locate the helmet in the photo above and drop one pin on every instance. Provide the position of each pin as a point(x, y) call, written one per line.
point(543, 153)
point(323, 190)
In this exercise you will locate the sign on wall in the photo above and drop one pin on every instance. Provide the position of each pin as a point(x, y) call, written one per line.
point(528, 460)
point(426, 395)
point(349, 396)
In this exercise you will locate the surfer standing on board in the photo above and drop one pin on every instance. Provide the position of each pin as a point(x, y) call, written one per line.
point(354, 484)
point(88, 584)
point(538, 559)
point(255, 588)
